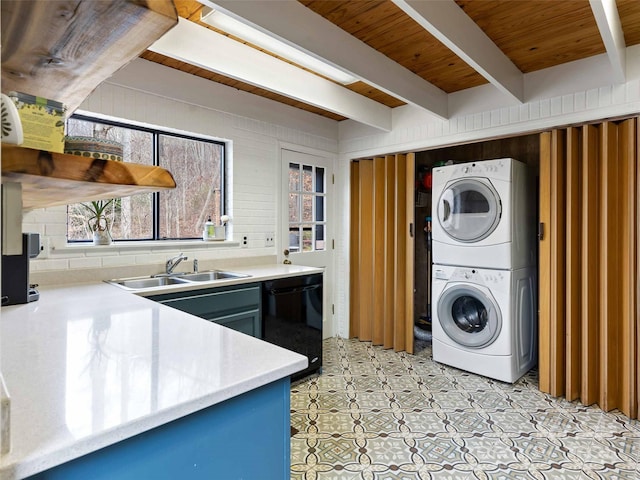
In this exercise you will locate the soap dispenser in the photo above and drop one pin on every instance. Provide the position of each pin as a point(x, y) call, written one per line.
point(209, 230)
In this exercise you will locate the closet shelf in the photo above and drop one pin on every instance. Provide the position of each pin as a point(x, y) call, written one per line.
point(50, 179)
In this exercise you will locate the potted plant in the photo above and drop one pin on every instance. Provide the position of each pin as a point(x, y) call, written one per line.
point(98, 222)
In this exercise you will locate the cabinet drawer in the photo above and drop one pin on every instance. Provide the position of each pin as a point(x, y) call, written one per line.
point(217, 302)
point(238, 306)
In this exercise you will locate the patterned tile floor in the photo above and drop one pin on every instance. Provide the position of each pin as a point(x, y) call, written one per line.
point(374, 414)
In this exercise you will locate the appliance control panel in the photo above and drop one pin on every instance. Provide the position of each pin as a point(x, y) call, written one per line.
point(469, 274)
point(497, 169)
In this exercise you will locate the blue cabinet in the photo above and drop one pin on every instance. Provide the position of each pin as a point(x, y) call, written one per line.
point(246, 437)
point(235, 306)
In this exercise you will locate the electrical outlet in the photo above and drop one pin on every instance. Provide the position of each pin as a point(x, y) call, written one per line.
point(44, 247)
point(269, 239)
point(245, 242)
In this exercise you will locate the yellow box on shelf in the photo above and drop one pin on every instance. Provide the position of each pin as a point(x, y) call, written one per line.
point(42, 121)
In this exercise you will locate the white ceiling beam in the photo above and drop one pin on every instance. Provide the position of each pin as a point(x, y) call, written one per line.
point(446, 21)
point(200, 46)
point(608, 21)
point(295, 24)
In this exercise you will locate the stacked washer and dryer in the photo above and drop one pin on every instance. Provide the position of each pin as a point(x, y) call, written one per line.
point(484, 291)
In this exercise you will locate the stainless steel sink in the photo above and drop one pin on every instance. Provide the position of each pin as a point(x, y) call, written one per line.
point(174, 279)
point(211, 275)
point(137, 283)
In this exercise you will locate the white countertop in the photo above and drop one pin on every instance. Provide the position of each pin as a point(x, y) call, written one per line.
point(92, 364)
point(255, 273)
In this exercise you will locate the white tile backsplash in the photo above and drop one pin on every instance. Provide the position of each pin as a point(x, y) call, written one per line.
point(85, 262)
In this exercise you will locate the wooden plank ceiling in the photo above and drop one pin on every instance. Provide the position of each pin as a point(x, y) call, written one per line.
point(533, 34)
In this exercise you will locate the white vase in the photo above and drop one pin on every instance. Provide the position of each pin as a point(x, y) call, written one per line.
point(220, 232)
point(101, 237)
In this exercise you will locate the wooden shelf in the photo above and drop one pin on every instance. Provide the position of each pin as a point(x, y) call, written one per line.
point(50, 179)
point(64, 50)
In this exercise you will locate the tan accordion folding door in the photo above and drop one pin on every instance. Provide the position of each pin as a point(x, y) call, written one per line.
point(381, 251)
point(589, 180)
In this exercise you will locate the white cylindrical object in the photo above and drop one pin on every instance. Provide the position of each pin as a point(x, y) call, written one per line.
point(209, 230)
point(11, 124)
point(220, 232)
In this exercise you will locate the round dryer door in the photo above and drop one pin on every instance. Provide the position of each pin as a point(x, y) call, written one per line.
point(469, 209)
point(469, 316)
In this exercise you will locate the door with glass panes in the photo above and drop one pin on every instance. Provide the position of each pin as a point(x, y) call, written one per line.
point(306, 228)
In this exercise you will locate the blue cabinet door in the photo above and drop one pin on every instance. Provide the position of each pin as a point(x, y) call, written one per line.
point(245, 322)
point(247, 437)
point(237, 306)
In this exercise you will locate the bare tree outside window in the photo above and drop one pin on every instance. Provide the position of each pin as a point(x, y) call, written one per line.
point(197, 166)
point(306, 208)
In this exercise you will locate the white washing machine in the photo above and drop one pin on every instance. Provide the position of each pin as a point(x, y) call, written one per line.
point(484, 321)
point(485, 214)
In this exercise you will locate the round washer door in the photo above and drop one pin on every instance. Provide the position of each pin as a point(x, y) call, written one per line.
point(469, 209)
point(469, 316)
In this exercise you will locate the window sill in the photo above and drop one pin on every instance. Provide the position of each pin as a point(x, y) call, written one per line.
point(148, 245)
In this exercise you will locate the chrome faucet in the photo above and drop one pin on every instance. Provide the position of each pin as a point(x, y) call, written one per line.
point(174, 261)
point(195, 265)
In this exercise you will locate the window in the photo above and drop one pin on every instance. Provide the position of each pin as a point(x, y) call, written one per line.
point(306, 208)
point(197, 165)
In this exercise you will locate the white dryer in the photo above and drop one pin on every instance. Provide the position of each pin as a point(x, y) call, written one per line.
point(485, 214)
point(484, 321)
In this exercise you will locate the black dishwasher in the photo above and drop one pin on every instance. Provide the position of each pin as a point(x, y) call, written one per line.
point(292, 317)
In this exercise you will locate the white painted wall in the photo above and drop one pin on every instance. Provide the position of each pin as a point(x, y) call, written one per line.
point(149, 93)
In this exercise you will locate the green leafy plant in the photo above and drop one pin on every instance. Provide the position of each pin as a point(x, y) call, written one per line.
point(98, 221)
